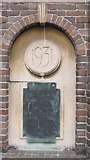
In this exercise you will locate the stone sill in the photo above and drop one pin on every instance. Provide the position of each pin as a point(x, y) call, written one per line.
point(26, 154)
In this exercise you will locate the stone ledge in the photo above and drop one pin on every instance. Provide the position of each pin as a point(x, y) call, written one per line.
point(26, 154)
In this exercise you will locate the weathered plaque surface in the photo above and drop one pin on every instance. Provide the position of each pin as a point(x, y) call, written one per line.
point(42, 57)
point(41, 112)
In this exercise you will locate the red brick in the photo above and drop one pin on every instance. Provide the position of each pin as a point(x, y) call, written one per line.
point(81, 119)
point(80, 52)
point(80, 46)
point(71, 19)
point(4, 125)
point(79, 41)
point(59, 12)
point(3, 144)
point(81, 112)
point(31, 19)
point(4, 46)
point(10, 13)
point(22, 23)
point(80, 86)
point(70, 29)
point(82, 6)
point(88, 45)
point(17, 6)
point(4, 138)
point(14, 29)
point(3, 112)
point(81, 106)
point(4, 105)
point(36, 17)
point(84, 32)
point(4, 19)
point(27, 13)
point(26, 20)
point(81, 99)
point(55, 6)
point(48, 18)
point(67, 25)
point(80, 133)
point(80, 92)
point(81, 126)
point(4, 72)
point(74, 33)
point(81, 59)
point(7, 36)
point(83, 19)
point(4, 131)
point(18, 26)
point(75, 13)
point(88, 135)
point(81, 66)
point(54, 18)
point(81, 72)
point(78, 36)
point(80, 140)
point(4, 92)
point(63, 22)
point(58, 20)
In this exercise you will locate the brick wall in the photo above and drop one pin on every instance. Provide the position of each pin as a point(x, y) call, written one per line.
point(73, 20)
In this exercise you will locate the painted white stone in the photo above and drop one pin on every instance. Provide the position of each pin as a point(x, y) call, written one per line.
point(64, 77)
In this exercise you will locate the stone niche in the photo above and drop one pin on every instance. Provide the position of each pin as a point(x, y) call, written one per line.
point(42, 74)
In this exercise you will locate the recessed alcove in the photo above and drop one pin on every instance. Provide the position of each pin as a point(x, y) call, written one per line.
point(63, 76)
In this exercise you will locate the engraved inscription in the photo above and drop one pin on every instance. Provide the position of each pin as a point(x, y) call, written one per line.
point(39, 55)
point(42, 57)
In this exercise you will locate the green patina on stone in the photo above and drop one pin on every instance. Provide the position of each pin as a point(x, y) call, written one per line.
point(41, 112)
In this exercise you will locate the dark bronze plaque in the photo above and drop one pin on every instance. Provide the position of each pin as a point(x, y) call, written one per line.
point(41, 112)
